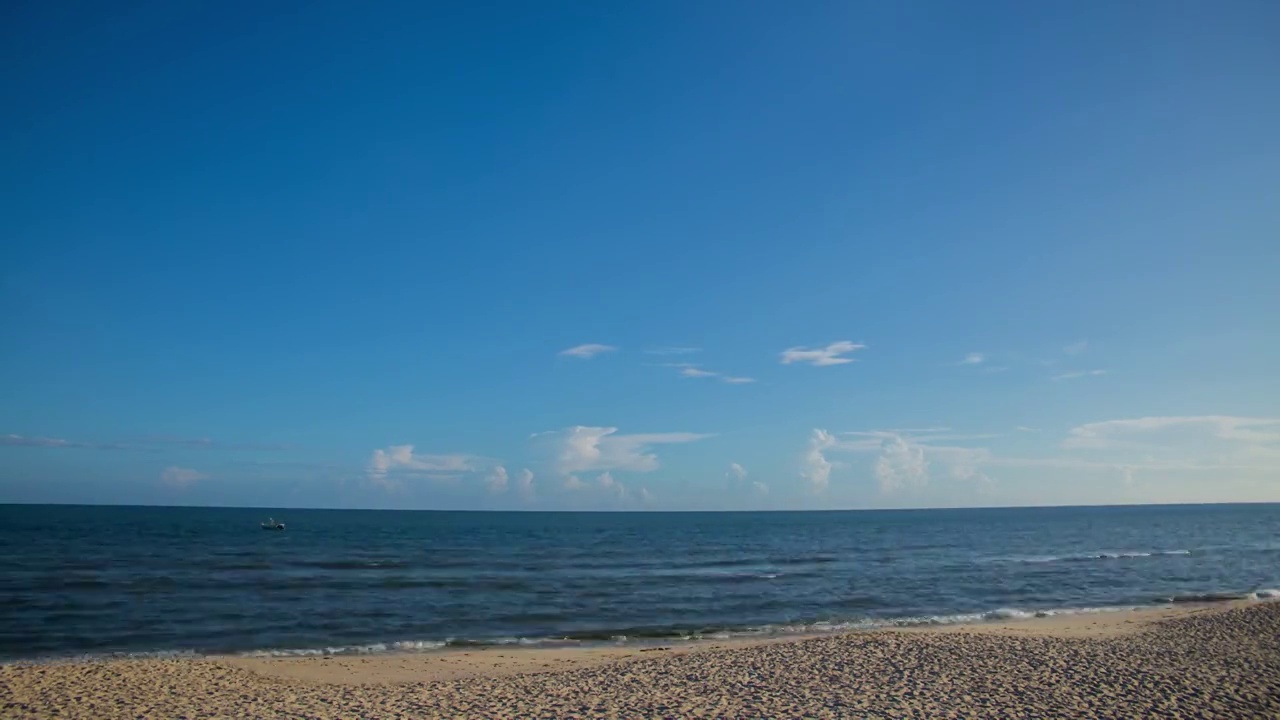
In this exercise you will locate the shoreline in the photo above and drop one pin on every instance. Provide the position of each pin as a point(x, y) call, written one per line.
point(503, 661)
point(1217, 660)
point(780, 632)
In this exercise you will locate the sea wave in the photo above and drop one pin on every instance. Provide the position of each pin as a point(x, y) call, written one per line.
point(1099, 555)
point(652, 635)
point(1260, 594)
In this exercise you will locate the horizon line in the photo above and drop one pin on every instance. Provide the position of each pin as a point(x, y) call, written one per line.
point(643, 511)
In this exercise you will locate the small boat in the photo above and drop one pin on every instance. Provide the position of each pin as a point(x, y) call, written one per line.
point(271, 524)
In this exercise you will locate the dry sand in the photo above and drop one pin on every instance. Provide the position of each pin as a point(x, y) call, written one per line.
point(1192, 662)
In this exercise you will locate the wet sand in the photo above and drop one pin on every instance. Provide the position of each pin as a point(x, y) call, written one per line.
point(1219, 661)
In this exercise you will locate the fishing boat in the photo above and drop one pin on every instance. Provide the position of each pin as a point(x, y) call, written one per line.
point(271, 524)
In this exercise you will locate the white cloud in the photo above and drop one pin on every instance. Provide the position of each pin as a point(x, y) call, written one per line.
point(12, 440)
point(673, 351)
point(181, 477)
point(402, 459)
point(1138, 433)
point(904, 458)
point(696, 372)
point(1079, 374)
point(607, 482)
point(497, 480)
point(815, 467)
point(1024, 428)
point(737, 476)
point(524, 484)
point(974, 358)
point(1209, 451)
point(645, 497)
point(587, 449)
point(1076, 348)
point(571, 482)
point(691, 370)
point(587, 351)
point(821, 357)
point(901, 465)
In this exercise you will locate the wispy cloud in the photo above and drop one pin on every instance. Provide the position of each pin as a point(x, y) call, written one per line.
point(973, 358)
point(181, 477)
point(146, 443)
point(692, 370)
point(1077, 374)
point(1076, 348)
point(1025, 429)
point(587, 351)
point(737, 476)
point(586, 449)
point(673, 351)
point(832, 354)
point(1143, 433)
point(210, 444)
point(696, 372)
point(12, 440)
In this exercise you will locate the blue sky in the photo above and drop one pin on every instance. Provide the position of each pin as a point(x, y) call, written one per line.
point(658, 255)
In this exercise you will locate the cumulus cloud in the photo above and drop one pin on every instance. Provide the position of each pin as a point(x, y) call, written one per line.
point(587, 351)
point(607, 482)
point(815, 467)
point(592, 449)
point(832, 354)
point(181, 477)
point(901, 465)
point(904, 459)
point(402, 458)
point(524, 484)
point(736, 472)
point(1077, 374)
point(571, 482)
point(497, 480)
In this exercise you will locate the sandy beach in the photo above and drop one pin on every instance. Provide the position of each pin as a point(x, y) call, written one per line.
point(1195, 662)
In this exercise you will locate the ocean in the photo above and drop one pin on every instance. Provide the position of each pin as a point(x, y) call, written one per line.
point(138, 581)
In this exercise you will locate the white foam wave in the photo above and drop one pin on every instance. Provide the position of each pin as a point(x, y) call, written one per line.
point(1099, 555)
point(1266, 594)
point(405, 646)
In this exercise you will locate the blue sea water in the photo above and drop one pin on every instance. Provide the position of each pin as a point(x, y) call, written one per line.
point(80, 581)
